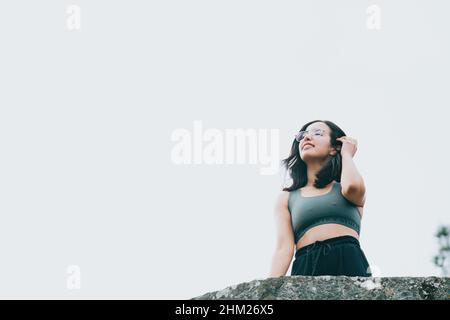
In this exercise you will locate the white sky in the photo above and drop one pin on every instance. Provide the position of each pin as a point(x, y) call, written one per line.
point(86, 119)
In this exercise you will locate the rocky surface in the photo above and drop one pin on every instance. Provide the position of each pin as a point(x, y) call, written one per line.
point(336, 288)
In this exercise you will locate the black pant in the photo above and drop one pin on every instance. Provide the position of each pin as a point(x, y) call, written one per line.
point(335, 256)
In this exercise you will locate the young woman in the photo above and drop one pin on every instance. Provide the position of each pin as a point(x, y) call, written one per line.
point(319, 215)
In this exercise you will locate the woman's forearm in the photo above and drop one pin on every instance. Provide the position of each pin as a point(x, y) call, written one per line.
point(281, 260)
point(350, 176)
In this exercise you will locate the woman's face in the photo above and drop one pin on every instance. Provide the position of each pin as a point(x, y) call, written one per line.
point(316, 142)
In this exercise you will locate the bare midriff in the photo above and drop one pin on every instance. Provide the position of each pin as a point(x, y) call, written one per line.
point(323, 232)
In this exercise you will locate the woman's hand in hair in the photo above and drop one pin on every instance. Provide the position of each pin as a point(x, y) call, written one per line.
point(349, 145)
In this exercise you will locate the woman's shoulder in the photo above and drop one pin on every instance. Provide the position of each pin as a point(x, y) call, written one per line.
point(284, 198)
point(282, 202)
point(338, 184)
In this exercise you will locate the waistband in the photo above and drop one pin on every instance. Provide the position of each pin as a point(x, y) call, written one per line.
point(327, 242)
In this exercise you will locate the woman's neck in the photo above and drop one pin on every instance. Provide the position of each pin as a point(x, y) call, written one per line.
point(313, 168)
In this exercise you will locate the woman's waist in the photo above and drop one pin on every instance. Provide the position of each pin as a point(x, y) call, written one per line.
point(315, 240)
point(323, 230)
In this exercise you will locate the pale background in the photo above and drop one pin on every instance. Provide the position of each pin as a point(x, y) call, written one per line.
point(86, 118)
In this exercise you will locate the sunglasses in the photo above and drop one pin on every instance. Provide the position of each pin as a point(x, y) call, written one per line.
point(315, 132)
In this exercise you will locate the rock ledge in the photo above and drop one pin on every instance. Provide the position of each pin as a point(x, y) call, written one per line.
point(336, 288)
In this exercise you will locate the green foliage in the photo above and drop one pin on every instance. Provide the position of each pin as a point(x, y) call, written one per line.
point(442, 259)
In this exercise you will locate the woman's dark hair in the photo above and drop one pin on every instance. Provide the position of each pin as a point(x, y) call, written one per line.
point(331, 170)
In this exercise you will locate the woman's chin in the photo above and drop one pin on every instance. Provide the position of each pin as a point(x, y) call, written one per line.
point(305, 156)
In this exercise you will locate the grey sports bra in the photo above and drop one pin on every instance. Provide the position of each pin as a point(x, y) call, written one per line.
point(331, 207)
